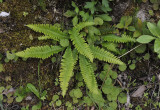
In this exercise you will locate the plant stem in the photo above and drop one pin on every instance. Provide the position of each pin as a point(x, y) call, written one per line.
point(130, 51)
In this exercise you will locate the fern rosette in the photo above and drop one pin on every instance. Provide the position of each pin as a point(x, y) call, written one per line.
point(76, 40)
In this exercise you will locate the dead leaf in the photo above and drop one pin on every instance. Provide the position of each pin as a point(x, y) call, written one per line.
point(139, 92)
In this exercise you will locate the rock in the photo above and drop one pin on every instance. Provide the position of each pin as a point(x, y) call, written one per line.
point(4, 14)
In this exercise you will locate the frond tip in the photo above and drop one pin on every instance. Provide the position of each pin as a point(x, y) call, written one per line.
point(104, 55)
point(66, 71)
point(39, 52)
point(49, 30)
point(88, 74)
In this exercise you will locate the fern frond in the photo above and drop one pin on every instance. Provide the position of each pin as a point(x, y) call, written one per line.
point(108, 30)
point(114, 38)
point(110, 46)
point(39, 52)
point(66, 71)
point(82, 25)
point(88, 74)
point(81, 45)
point(103, 55)
point(49, 30)
point(75, 56)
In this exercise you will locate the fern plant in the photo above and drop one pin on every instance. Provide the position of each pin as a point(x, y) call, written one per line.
point(79, 44)
point(82, 51)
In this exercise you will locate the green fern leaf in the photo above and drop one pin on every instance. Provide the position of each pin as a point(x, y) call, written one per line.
point(39, 52)
point(49, 30)
point(103, 55)
point(110, 46)
point(114, 38)
point(110, 29)
point(81, 45)
point(82, 25)
point(75, 56)
point(66, 71)
point(88, 74)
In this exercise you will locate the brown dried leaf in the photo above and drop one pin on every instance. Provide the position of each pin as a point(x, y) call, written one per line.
point(139, 92)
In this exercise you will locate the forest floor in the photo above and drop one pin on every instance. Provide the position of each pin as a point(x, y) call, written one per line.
point(15, 36)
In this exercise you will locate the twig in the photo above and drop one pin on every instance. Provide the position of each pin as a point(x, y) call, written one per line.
point(130, 51)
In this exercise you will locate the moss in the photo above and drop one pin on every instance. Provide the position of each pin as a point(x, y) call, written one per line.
point(16, 36)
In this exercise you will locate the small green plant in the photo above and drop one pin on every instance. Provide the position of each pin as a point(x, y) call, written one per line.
point(122, 67)
point(125, 22)
point(11, 56)
point(146, 56)
point(25, 108)
point(53, 59)
point(132, 66)
point(56, 101)
point(140, 27)
point(56, 82)
point(25, 14)
point(69, 105)
point(75, 94)
point(155, 35)
point(151, 12)
point(155, 3)
point(87, 100)
point(22, 92)
point(138, 107)
point(8, 92)
point(113, 93)
point(79, 78)
point(41, 96)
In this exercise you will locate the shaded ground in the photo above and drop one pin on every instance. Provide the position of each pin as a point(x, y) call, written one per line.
point(15, 35)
